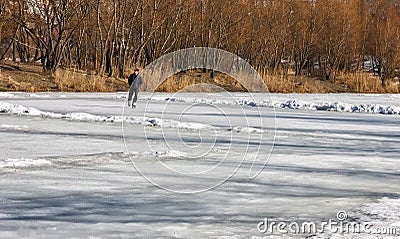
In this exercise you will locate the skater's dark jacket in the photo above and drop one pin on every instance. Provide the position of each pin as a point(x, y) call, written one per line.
point(135, 81)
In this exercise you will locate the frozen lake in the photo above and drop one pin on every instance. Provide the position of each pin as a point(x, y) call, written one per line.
point(77, 165)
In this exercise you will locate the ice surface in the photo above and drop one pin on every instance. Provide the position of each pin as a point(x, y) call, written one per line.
point(79, 165)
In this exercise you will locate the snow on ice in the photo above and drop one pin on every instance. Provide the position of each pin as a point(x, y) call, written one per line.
point(23, 163)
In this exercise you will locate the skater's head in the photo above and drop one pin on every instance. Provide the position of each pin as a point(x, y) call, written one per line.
point(136, 71)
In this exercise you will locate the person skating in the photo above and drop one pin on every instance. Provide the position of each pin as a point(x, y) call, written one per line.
point(135, 81)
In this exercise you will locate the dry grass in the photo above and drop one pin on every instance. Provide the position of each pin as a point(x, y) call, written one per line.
point(393, 87)
point(367, 83)
point(30, 78)
point(197, 81)
point(23, 77)
point(274, 83)
point(356, 83)
point(292, 84)
point(7, 82)
point(80, 81)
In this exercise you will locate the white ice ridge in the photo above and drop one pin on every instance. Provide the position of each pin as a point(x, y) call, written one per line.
point(383, 214)
point(6, 95)
point(385, 210)
point(340, 107)
point(14, 127)
point(295, 104)
point(23, 163)
point(16, 109)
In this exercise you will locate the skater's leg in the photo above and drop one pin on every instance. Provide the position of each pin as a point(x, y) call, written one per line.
point(131, 90)
point(136, 96)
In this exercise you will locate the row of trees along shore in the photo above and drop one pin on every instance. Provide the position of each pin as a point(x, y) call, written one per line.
point(308, 37)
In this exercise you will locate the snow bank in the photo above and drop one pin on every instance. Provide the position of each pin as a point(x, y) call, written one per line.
point(294, 104)
point(23, 163)
point(167, 154)
point(210, 101)
point(385, 210)
point(33, 95)
point(172, 124)
point(14, 127)
point(15, 109)
point(340, 107)
point(239, 129)
point(5, 95)
point(383, 216)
